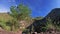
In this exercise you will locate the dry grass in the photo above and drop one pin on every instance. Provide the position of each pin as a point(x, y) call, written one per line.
point(5, 17)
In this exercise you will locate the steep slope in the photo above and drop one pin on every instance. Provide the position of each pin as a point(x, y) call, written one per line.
point(5, 17)
point(54, 14)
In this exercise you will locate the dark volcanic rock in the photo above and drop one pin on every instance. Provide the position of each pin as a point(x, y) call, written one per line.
point(54, 14)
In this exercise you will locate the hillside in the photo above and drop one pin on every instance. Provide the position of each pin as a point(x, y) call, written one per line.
point(5, 17)
point(54, 15)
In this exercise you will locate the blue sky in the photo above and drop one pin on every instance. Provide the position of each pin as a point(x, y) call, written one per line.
point(38, 7)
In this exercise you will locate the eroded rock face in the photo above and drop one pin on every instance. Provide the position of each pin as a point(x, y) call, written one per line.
point(2, 31)
point(6, 32)
point(22, 23)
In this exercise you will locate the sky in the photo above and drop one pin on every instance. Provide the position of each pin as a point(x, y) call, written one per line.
point(38, 7)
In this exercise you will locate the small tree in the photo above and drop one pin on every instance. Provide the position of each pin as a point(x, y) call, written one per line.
point(20, 12)
point(13, 24)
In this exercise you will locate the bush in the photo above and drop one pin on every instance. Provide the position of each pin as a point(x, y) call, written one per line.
point(26, 31)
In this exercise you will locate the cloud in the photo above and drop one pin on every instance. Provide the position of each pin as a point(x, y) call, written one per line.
point(11, 0)
point(4, 10)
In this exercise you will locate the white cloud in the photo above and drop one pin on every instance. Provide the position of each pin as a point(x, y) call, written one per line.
point(11, 0)
point(4, 10)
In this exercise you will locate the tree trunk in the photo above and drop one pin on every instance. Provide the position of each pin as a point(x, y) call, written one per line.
point(12, 28)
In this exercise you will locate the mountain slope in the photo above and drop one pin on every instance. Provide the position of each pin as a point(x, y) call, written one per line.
point(5, 17)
